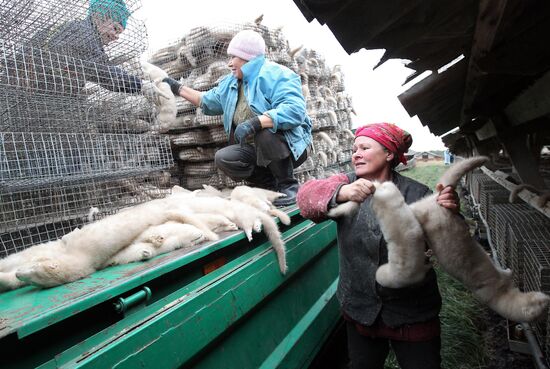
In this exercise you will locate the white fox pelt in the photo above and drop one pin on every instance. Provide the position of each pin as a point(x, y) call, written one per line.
point(247, 217)
point(138, 233)
point(406, 228)
point(157, 240)
point(261, 199)
point(83, 251)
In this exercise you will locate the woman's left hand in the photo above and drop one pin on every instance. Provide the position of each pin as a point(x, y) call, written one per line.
point(448, 198)
point(247, 128)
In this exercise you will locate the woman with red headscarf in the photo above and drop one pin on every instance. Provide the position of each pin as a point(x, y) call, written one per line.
point(377, 317)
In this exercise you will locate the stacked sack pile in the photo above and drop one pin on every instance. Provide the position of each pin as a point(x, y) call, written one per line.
point(199, 60)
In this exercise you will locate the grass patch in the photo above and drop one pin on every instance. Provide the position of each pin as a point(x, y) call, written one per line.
point(426, 174)
point(462, 344)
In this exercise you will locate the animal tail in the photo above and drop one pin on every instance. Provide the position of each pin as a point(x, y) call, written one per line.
point(274, 236)
point(283, 217)
point(456, 171)
point(212, 190)
point(347, 208)
point(324, 137)
point(294, 51)
point(323, 157)
point(332, 117)
point(92, 213)
point(271, 195)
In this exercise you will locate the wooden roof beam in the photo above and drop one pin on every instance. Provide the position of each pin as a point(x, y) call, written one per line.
point(533, 103)
point(516, 144)
point(489, 18)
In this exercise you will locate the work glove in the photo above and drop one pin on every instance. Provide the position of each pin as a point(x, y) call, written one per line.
point(174, 85)
point(247, 128)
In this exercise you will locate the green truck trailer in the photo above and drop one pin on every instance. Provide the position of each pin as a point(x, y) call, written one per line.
point(223, 305)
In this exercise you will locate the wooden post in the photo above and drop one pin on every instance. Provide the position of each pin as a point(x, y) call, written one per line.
point(516, 144)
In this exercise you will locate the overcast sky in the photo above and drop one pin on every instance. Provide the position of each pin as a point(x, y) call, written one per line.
point(374, 93)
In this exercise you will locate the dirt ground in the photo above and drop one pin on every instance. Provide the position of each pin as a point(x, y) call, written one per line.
point(496, 338)
point(334, 355)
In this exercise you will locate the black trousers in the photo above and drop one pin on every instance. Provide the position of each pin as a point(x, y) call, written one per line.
point(370, 353)
point(268, 160)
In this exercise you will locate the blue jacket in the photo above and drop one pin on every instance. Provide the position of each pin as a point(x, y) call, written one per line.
point(270, 89)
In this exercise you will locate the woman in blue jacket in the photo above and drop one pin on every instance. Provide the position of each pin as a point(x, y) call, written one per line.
point(264, 114)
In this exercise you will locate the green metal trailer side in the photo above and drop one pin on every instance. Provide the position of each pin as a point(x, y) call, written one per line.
point(224, 305)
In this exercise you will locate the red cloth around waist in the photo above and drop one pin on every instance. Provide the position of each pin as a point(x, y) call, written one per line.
point(416, 332)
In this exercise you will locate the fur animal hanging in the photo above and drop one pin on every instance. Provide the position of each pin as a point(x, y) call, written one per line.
point(166, 103)
point(407, 227)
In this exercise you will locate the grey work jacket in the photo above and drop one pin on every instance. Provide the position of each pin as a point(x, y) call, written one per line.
point(81, 58)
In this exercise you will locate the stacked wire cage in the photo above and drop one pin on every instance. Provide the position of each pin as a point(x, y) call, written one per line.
point(520, 237)
point(329, 108)
point(199, 60)
point(76, 139)
point(537, 278)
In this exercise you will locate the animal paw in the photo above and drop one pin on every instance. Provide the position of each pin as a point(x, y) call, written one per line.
point(44, 274)
point(384, 276)
point(257, 226)
point(156, 240)
point(388, 277)
point(211, 236)
point(385, 190)
point(199, 239)
point(8, 281)
point(538, 302)
point(248, 233)
point(230, 227)
point(146, 254)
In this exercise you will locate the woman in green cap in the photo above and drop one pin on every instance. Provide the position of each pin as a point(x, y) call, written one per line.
point(86, 39)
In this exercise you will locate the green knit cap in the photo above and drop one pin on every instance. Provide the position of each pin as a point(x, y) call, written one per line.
point(114, 9)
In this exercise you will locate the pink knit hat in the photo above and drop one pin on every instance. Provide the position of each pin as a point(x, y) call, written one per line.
point(246, 45)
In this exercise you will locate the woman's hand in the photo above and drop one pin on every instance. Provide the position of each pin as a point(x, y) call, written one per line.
point(448, 198)
point(357, 191)
point(247, 128)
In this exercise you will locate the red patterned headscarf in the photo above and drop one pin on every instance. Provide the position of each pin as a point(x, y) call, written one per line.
point(388, 135)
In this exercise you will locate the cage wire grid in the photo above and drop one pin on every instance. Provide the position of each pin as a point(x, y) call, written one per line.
point(537, 278)
point(76, 132)
point(533, 226)
point(506, 215)
point(30, 217)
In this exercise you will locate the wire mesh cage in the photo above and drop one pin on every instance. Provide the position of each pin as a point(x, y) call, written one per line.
point(504, 216)
point(48, 212)
point(533, 226)
point(476, 179)
point(537, 278)
point(30, 159)
point(76, 130)
point(491, 198)
point(197, 154)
